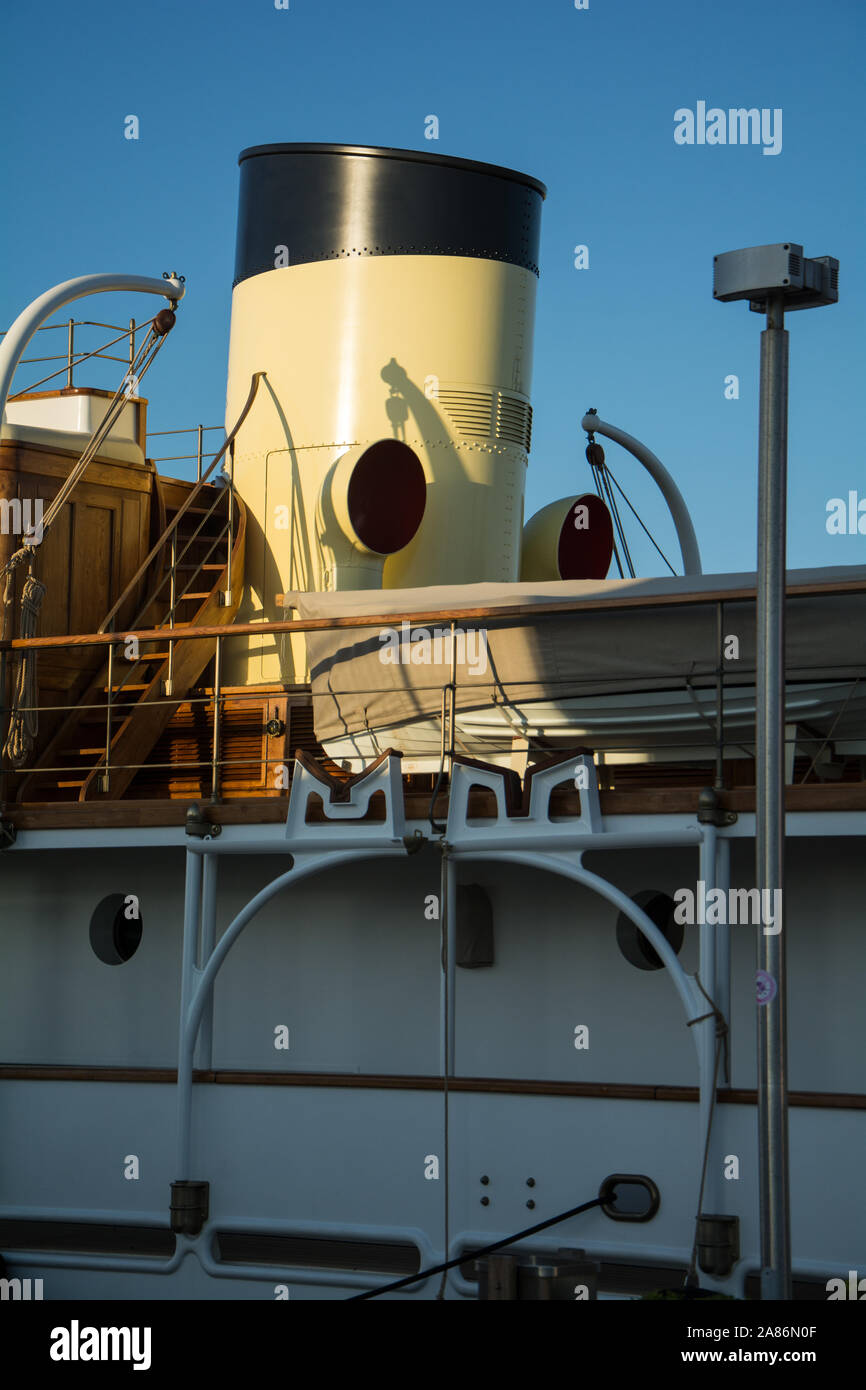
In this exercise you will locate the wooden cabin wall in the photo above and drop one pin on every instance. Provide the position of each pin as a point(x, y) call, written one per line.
point(85, 561)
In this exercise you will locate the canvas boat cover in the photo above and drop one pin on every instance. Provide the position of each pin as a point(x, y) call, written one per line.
point(567, 639)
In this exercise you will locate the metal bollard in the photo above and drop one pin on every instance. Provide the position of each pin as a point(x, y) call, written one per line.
point(524, 1277)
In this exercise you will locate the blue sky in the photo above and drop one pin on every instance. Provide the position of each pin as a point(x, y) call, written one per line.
point(582, 99)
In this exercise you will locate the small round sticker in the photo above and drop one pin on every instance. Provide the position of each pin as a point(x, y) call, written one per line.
point(766, 987)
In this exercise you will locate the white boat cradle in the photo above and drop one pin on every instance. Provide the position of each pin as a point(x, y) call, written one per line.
point(556, 844)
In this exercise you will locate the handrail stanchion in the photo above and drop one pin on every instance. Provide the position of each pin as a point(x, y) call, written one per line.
point(70, 351)
point(4, 711)
point(444, 719)
point(452, 699)
point(720, 698)
point(216, 721)
point(185, 505)
point(228, 589)
point(172, 601)
point(199, 454)
point(106, 776)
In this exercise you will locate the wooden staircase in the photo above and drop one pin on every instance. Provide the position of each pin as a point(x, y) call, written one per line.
point(131, 701)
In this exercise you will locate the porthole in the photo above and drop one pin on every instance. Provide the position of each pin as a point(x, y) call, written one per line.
point(637, 950)
point(115, 928)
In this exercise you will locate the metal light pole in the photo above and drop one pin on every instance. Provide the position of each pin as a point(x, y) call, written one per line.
point(770, 806)
point(773, 278)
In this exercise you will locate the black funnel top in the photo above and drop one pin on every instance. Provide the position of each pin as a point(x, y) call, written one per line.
point(332, 202)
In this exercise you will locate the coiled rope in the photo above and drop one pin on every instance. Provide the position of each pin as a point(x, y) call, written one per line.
point(24, 720)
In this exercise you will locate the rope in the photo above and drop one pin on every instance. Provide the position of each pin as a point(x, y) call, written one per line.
point(446, 1154)
point(74, 361)
point(639, 521)
point(617, 519)
point(9, 592)
point(595, 459)
point(839, 714)
point(143, 360)
point(24, 719)
point(749, 752)
point(691, 1278)
point(598, 479)
point(477, 1254)
point(439, 829)
point(603, 477)
point(24, 722)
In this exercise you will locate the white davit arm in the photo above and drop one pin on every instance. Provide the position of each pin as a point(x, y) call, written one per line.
point(35, 314)
point(669, 490)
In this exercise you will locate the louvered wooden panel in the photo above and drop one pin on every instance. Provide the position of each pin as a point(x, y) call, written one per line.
point(180, 763)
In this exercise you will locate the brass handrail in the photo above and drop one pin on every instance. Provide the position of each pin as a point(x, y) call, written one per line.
point(172, 527)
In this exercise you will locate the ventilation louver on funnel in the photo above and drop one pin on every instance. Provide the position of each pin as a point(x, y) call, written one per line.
point(488, 415)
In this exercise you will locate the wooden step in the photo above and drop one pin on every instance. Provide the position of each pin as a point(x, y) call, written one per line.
point(52, 795)
point(145, 659)
point(191, 542)
point(201, 531)
point(190, 554)
point(214, 547)
point(196, 511)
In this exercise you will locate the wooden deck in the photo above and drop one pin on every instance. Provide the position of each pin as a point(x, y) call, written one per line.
point(270, 810)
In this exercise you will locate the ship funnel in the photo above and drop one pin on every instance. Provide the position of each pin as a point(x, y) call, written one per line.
point(389, 296)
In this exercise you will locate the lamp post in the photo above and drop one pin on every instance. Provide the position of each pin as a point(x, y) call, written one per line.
point(773, 279)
